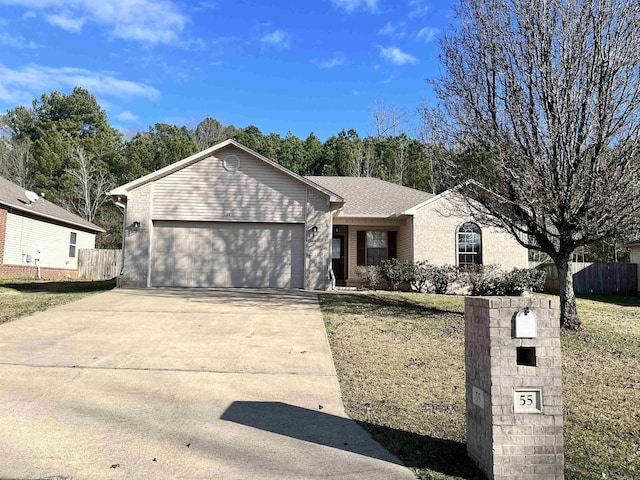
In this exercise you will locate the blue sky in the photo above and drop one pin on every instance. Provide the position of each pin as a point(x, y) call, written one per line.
point(300, 66)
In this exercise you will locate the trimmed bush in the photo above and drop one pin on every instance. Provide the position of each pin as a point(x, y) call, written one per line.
point(419, 277)
point(441, 278)
point(370, 277)
point(396, 272)
point(486, 280)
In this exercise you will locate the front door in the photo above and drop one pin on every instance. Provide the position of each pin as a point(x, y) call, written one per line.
point(337, 258)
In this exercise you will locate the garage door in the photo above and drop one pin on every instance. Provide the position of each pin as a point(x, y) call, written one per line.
point(203, 254)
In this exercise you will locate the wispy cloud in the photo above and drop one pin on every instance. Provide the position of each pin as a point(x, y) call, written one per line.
point(151, 22)
point(397, 56)
point(23, 84)
point(428, 34)
point(393, 30)
point(127, 117)
point(419, 8)
point(351, 6)
point(66, 21)
point(16, 41)
point(336, 61)
point(276, 38)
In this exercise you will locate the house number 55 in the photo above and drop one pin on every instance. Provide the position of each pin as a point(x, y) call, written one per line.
point(527, 401)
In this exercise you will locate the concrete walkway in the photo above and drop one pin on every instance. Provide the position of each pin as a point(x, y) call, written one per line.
point(178, 384)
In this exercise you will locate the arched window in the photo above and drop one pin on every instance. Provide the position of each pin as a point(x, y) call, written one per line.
point(469, 245)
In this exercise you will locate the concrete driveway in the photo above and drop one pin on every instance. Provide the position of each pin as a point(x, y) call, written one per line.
point(229, 384)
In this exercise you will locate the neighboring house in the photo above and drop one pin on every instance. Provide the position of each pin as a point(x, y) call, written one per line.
point(634, 253)
point(230, 217)
point(36, 233)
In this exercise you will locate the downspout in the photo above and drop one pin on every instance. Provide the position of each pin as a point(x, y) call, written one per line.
point(123, 207)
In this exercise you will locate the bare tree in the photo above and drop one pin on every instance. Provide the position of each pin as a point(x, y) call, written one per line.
point(16, 162)
point(388, 120)
point(91, 182)
point(431, 133)
point(549, 91)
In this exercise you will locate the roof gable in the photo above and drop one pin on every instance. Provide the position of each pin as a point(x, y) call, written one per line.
point(372, 197)
point(179, 165)
point(13, 196)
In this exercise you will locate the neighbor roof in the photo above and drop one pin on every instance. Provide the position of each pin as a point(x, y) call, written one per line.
point(196, 157)
point(372, 197)
point(13, 196)
point(634, 243)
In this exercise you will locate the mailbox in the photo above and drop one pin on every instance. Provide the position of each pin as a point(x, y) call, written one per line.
point(526, 324)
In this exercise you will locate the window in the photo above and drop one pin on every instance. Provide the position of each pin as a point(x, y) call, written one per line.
point(469, 245)
point(72, 245)
point(376, 243)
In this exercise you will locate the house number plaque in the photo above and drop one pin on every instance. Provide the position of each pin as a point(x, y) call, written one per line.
point(527, 400)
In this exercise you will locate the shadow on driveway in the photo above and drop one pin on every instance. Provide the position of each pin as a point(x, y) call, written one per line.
point(418, 451)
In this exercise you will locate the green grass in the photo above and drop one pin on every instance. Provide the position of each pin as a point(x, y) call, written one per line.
point(23, 297)
point(400, 361)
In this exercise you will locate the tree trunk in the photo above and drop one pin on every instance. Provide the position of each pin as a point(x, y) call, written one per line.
point(568, 310)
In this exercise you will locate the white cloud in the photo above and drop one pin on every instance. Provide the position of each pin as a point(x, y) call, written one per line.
point(397, 56)
point(351, 6)
point(26, 83)
point(127, 116)
point(392, 30)
point(336, 61)
point(276, 38)
point(16, 41)
point(419, 8)
point(147, 21)
point(28, 14)
point(66, 22)
point(428, 34)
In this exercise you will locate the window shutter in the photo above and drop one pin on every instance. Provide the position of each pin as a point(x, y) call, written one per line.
point(361, 246)
point(392, 247)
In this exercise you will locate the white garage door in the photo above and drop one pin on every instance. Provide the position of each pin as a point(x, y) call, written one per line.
point(207, 254)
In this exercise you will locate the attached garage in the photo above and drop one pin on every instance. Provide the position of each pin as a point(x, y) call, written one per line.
point(226, 217)
point(219, 254)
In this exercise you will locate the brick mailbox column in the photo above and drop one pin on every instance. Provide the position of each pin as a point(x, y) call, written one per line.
point(514, 387)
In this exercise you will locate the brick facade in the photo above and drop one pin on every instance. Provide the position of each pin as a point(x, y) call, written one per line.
point(29, 271)
point(504, 443)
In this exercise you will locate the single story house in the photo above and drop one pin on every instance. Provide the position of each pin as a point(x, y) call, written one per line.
point(230, 217)
point(39, 238)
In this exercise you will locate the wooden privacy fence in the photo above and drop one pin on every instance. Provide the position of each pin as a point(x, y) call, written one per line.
point(99, 264)
point(599, 278)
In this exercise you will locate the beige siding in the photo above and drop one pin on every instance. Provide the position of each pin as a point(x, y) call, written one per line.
point(25, 236)
point(405, 240)
point(435, 227)
point(318, 246)
point(206, 190)
point(137, 249)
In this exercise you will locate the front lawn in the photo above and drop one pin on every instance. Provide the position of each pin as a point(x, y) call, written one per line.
point(24, 297)
point(400, 362)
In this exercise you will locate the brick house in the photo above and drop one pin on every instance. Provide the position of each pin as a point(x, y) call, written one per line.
point(37, 233)
point(230, 217)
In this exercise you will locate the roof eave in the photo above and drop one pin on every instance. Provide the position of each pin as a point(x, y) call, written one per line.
point(94, 228)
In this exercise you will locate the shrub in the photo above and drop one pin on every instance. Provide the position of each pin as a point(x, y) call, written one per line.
point(396, 272)
point(419, 277)
point(485, 280)
point(481, 279)
point(370, 276)
point(518, 280)
point(441, 278)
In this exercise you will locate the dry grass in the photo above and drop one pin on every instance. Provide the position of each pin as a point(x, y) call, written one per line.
point(400, 360)
point(24, 297)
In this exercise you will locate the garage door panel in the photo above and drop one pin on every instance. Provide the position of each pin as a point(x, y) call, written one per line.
point(228, 255)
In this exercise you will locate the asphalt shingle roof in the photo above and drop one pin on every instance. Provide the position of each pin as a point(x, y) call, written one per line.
point(371, 197)
point(12, 195)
